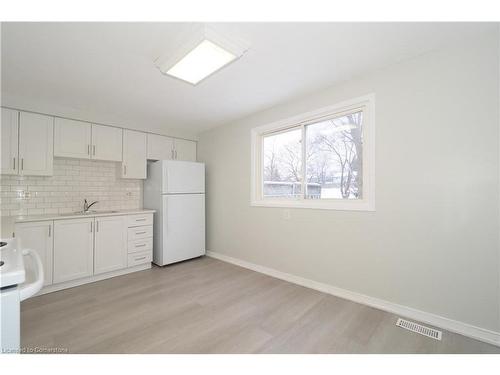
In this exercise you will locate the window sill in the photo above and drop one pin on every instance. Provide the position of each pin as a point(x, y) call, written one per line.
point(340, 205)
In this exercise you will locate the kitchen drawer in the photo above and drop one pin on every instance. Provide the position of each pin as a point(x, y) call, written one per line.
point(140, 232)
point(140, 258)
point(140, 245)
point(142, 219)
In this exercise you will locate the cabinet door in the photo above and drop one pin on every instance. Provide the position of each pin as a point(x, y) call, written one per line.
point(110, 252)
point(106, 143)
point(134, 154)
point(9, 133)
point(71, 138)
point(185, 150)
point(38, 236)
point(73, 249)
point(36, 144)
point(160, 147)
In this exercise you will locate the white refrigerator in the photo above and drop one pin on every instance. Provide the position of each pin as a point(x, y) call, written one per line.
point(176, 190)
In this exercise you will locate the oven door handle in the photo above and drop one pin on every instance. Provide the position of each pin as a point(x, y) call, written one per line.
point(30, 289)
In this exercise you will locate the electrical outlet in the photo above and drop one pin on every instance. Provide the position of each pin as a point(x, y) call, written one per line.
point(23, 194)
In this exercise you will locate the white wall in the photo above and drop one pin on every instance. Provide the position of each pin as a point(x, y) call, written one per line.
point(432, 243)
point(41, 105)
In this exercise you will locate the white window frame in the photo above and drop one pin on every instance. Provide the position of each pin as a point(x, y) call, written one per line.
point(367, 104)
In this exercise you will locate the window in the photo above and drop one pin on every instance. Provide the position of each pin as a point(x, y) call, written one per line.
point(321, 159)
point(282, 166)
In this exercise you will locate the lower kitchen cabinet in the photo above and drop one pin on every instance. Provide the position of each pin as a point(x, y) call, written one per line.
point(73, 249)
point(37, 236)
point(86, 249)
point(110, 252)
point(140, 258)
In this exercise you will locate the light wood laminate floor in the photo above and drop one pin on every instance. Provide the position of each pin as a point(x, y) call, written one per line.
point(208, 306)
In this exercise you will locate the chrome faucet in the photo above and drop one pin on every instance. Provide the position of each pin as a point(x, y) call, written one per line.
point(86, 206)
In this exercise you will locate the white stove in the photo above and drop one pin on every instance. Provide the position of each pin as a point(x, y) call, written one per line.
point(14, 289)
point(12, 270)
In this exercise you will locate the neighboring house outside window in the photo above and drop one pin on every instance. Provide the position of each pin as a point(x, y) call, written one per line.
point(320, 159)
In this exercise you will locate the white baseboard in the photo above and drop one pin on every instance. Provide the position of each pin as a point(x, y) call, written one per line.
point(92, 279)
point(451, 325)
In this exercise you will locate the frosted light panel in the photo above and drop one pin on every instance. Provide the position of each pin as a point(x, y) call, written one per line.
point(202, 61)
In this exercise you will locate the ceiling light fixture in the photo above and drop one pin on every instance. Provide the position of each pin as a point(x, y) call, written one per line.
point(204, 53)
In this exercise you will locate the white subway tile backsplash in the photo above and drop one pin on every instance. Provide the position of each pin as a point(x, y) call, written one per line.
point(72, 182)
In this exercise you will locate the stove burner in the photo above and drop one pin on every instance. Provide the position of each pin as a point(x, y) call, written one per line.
point(2, 244)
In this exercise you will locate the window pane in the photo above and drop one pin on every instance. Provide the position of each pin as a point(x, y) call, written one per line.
point(334, 158)
point(282, 166)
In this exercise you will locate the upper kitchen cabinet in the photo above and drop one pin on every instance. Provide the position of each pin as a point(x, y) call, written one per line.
point(9, 136)
point(72, 138)
point(82, 140)
point(160, 147)
point(184, 150)
point(165, 148)
point(106, 143)
point(36, 144)
point(134, 154)
point(27, 143)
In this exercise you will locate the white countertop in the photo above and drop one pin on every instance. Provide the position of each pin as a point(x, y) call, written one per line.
point(69, 215)
point(8, 221)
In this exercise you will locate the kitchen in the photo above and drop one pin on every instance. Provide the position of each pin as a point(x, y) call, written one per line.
point(80, 188)
point(235, 188)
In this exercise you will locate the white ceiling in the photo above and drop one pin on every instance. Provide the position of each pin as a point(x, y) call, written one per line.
point(108, 67)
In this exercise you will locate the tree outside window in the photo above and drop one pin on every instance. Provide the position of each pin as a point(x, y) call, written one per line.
point(333, 157)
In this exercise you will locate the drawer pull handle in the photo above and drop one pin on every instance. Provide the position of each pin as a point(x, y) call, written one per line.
point(143, 219)
point(142, 245)
point(140, 232)
point(141, 258)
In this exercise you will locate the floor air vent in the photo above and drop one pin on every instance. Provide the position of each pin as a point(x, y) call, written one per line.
point(418, 328)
